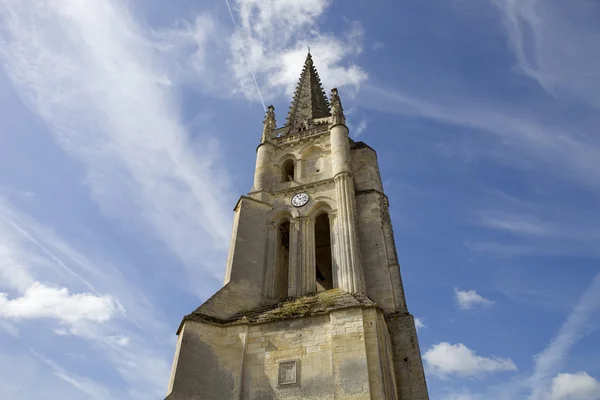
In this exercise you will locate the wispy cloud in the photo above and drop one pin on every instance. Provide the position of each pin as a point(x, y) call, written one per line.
point(536, 226)
point(360, 128)
point(549, 362)
point(106, 96)
point(469, 299)
point(542, 35)
point(419, 324)
point(16, 193)
point(561, 149)
point(547, 381)
point(445, 359)
point(49, 278)
point(518, 224)
point(275, 36)
point(21, 367)
point(9, 328)
point(90, 388)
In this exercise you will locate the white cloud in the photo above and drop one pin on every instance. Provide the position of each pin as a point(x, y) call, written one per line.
point(195, 49)
point(31, 253)
point(106, 96)
point(41, 301)
point(274, 36)
point(548, 362)
point(118, 340)
point(444, 359)
point(468, 299)
point(419, 324)
point(360, 128)
point(377, 46)
point(555, 43)
point(579, 386)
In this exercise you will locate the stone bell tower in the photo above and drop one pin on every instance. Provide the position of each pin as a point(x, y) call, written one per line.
point(313, 305)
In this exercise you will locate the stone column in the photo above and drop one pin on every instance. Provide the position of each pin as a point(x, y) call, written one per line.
point(302, 265)
point(348, 257)
point(263, 173)
point(336, 276)
point(309, 259)
point(271, 275)
point(295, 277)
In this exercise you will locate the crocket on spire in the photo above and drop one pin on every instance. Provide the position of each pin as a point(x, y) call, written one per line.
point(310, 101)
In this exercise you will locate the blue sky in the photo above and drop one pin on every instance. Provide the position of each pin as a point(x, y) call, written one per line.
point(128, 131)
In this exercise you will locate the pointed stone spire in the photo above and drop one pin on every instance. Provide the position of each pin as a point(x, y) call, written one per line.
point(269, 124)
point(310, 101)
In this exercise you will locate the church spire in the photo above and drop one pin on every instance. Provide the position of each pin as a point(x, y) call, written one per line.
point(310, 101)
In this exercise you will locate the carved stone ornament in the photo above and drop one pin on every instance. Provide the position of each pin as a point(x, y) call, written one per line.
point(337, 112)
point(287, 374)
point(269, 123)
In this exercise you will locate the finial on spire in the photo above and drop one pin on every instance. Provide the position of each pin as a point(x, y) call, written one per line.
point(309, 60)
point(337, 112)
point(270, 124)
point(308, 50)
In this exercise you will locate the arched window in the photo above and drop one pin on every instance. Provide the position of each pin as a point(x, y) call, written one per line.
point(288, 171)
point(323, 258)
point(282, 260)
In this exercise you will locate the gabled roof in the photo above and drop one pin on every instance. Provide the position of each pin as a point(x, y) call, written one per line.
point(310, 101)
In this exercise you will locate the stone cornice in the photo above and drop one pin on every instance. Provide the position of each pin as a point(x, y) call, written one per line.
point(368, 191)
point(294, 137)
point(250, 198)
point(291, 308)
point(304, 186)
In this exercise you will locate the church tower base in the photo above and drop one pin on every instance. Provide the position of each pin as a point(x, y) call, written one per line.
point(331, 345)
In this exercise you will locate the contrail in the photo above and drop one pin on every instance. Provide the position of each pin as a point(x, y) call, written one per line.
point(237, 33)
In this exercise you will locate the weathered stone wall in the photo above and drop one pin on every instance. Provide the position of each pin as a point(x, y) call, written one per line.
point(246, 262)
point(332, 352)
point(313, 161)
point(339, 356)
point(208, 363)
point(410, 376)
point(365, 169)
point(247, 253)
point(305, 340)
point(376, 238)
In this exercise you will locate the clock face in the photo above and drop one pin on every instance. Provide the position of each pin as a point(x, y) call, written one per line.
point(300, 199)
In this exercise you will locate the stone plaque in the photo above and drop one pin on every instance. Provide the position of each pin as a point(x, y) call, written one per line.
point(287, 373)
